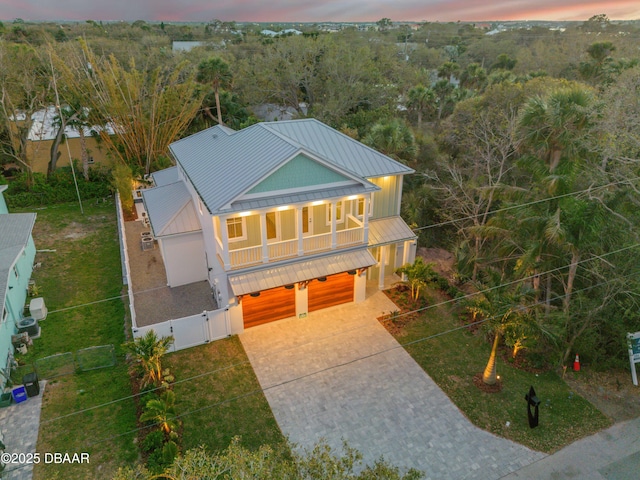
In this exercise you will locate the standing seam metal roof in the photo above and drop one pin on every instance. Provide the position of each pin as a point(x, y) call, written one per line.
point(15, 230)
point(222, 164)
point(272, 276)
point(339, 148)
point(383, 231)
point(164, 203)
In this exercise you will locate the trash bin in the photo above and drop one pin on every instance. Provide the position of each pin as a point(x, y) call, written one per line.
point(19, 394)
point(30, 382)
point(5, 399)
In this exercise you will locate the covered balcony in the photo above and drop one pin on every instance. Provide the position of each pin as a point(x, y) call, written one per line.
point(255, 237)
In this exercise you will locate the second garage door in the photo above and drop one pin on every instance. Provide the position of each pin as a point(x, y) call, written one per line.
point(335, 290)
point(270, 305)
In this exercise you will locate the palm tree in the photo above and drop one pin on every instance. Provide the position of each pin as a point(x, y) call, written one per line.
point(393, 138)
point(553, 127)
point(216, 72)
point(473, 77)
point(504, 307)
point(162, 412)
point(420, 99)
point(148, 351)
point(418, 275)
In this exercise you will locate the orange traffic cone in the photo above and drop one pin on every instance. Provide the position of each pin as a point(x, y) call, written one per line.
point(576, 364)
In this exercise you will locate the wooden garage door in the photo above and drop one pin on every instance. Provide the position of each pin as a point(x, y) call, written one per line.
point(271, 305)
point(336, 290)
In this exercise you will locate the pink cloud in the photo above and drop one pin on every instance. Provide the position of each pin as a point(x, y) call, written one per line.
point(316, 10)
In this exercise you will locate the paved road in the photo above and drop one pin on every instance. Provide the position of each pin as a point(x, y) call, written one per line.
point(324, 377)
point(613, 454)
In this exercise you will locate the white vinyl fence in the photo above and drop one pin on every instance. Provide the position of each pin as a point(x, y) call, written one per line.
point(191, 331)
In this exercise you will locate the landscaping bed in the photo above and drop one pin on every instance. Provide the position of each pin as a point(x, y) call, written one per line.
point(452, 360)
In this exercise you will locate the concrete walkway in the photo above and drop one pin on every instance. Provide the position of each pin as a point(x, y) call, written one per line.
point(325, 377)
point(612, 454)
point(19, 423)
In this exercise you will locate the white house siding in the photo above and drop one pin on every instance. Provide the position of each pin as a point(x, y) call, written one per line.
point(184, 258)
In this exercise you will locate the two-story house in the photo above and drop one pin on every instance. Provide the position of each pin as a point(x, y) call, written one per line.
point(282, 218)
point(17, 252)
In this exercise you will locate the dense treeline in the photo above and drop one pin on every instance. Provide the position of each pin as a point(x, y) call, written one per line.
point(525, 143)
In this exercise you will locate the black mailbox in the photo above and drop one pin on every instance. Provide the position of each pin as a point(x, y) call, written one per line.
point(532, 401)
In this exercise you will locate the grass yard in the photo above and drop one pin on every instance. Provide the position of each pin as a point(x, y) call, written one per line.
point(226, 403)
point(82, 265)
point(454, 358)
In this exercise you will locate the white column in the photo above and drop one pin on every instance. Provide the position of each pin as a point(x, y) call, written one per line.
point(383, 260)
point(333, 225)
point(263, 233)
point(299, 229)
point(365, 220)
point(302, 301)
point(225, 242)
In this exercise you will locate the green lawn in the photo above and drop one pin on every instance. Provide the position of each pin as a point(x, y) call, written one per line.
point(454, 358)
point(84, 268)
point(227, 403)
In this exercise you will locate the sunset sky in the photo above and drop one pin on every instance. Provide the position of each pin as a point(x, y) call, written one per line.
point(316, 10)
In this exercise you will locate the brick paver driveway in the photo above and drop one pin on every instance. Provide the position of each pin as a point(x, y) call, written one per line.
point(325, 377)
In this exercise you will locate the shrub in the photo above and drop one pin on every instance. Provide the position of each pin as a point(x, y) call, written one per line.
point(57, 188)
point(153, 441)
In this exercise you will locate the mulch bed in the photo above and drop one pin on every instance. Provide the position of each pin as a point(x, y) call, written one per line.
point(395, 322)
point(495, 388)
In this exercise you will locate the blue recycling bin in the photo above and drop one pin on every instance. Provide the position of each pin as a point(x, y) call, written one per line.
point(19, 394)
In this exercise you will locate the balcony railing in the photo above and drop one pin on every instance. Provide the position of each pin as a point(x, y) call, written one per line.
point(243, 257)
point(288, 248)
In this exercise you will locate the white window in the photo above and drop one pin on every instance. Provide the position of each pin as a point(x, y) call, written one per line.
point(358, 208)
point(15, 271)
point(273, 225)
point(5, 315)
point(339, 213)
point(236, 229)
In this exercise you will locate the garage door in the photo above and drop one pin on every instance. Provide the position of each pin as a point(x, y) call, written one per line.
point(335, 290)
point(270, 305)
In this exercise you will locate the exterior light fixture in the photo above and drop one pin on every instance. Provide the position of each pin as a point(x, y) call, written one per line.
point(322, 279)
point(254, 294)
point(289, 287)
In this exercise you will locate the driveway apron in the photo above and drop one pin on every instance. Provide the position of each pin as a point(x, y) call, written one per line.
point(339, 375)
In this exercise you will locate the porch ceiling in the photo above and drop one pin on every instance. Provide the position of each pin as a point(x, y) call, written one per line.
point(264, 278)
point(301, 197)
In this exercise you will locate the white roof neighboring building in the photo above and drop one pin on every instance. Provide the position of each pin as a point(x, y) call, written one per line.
point(44, 126)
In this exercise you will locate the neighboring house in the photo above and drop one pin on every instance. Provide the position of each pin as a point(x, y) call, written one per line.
point(17, 252)
point(282, 218)
point(42, 134)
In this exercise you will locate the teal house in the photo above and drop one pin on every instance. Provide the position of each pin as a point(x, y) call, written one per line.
point(17, 252)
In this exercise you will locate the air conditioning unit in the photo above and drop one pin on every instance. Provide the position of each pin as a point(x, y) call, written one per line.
point(37, 308)
point(30, 326)
point(147, 243)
